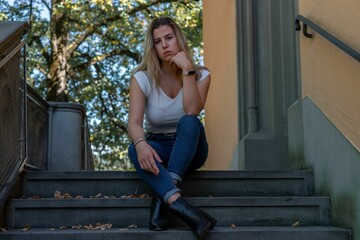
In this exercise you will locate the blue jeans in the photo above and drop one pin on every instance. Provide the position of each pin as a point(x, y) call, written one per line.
point(182, 152)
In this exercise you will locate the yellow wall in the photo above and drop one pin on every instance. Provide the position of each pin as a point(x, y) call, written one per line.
point(221, 110)
point(330, 77)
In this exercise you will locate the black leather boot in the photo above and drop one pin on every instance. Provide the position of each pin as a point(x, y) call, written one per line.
point(192, 216)
point(157, 221)
point(212, 220)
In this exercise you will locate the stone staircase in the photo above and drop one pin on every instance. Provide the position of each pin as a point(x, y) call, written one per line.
point(249, 205)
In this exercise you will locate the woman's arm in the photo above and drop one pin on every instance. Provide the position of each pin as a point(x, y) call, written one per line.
point(194, 93)
point(146, 154)
point(136, 111)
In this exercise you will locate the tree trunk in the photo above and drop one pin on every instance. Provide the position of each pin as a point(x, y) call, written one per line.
point(57, 89)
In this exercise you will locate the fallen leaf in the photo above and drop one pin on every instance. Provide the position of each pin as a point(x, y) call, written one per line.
point(2, 230)
point(144, 195)
point(98, 196)
point(27, 227)
point(52, 229)
point(104, 226)
point(89, 226)
point(296, 224)
point(76, 227)
point(62, 228)
point(232, 225)
point(128, 196)
point(57, 195)
point(132, 226)
point(67, 195)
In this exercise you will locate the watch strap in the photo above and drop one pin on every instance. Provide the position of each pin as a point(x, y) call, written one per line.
point(188, 73)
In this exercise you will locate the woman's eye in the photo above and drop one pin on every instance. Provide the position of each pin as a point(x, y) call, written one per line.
point(156, 42)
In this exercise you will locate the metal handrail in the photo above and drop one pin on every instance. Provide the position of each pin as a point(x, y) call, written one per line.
point(15, 165)
point(306, 22)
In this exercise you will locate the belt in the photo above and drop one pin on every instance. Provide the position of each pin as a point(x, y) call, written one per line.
point(163, 134)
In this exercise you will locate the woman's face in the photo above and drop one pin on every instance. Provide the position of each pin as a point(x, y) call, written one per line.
point(165, 42)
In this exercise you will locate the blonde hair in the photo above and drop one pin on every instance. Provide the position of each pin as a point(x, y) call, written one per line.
point(150, 61)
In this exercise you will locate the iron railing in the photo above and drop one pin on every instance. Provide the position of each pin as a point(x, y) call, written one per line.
point(344, 47)
point(12, 105)
point(24, 115)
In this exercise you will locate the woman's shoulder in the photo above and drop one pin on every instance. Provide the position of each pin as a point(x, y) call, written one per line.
point(204, 72)
point(139, 75)
point(143, 80)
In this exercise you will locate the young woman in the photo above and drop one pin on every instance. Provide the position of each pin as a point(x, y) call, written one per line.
point(169, 90)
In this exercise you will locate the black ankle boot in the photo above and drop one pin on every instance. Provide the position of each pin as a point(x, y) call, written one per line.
point(157, 221)
point(192, 216)
point(211, 219)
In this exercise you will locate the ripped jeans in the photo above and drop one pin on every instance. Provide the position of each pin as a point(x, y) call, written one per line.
point(181, 152)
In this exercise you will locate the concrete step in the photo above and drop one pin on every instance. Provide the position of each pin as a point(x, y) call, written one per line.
point(228, 233)
point(241, 211)
point(199, 184)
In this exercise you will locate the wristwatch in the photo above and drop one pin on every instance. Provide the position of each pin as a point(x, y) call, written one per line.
point(192, 72)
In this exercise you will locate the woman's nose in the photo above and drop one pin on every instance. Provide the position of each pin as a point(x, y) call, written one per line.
point(164, 43)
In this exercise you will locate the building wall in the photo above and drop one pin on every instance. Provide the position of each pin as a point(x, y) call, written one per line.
point(331, 107)
point(330, 77)
point(221, 110)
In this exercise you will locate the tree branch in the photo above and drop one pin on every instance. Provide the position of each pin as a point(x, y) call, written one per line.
point(43, 52)
point(42, 70)
point(75, 44)
point(46, 5)
point(97, 59)
point(144, 6)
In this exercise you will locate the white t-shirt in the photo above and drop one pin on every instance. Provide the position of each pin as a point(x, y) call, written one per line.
point(162, 113)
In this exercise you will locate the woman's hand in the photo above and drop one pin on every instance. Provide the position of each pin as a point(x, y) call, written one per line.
point(147, 157)
point(181, 61)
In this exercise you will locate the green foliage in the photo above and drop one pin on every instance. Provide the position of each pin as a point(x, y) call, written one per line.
point(97, 43)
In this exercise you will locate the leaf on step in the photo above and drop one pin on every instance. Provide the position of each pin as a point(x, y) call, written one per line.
point(97, 226)
point(98, 196)
point(78, 197)
point(27, 227)
point(88, 227)
point(67, 196)
point(132, 226)
point(296, 224)
point(76, 227)
point(2, 230)
point(232, 225)
point(144, 195)
point(103, 226)
point(52, 229)
point(62, 228)
point(129, 196)
point(57, 195)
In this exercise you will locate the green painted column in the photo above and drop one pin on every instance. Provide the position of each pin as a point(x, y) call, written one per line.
point(268, 81)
